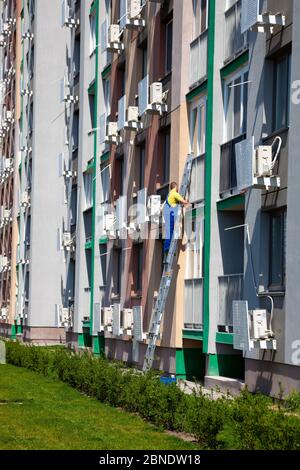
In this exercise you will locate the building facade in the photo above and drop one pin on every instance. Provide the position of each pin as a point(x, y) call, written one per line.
point(114, 96)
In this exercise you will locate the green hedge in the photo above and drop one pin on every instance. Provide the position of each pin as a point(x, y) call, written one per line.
point(247, 422)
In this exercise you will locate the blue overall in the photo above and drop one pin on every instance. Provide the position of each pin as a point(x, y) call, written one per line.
point(170, 214)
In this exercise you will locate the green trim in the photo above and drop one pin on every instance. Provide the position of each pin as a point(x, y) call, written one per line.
point(98, 345)
point(94, 172)
point(94, 5)
point(103, 241)
point(88, 245)
point(192, 334)
point(92, 88)
point(197, 91)
point(213, 365)
point(90, 167)
point(235, 64)
point(16, 330)
point(190, 364)
point(106, 71)
point(224, 338)
point(231, 202)
point(208, 169)
point(84, 340)
point(105, 157)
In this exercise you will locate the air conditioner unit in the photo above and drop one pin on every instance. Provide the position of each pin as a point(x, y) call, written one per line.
point(127, 320)
point(253, 19)
point(112, 129)
point(4, 313)
point(134, 8)
point(109, 223)
point(156, 93)
point(154, 206)
point(132, 114)
point(107, 318)
point(63, 316)
point(67, 240)
point(114, 33)
point(25, 199)
point(3, 43)
point(250, 328)
point(264, 159)
point(3, 262)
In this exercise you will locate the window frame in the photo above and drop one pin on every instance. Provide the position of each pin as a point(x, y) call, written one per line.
point(287, 55)
point(282, 214)
point(241, 73)
point(168, 50)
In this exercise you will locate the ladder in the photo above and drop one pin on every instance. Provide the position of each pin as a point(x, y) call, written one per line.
point(167, 275)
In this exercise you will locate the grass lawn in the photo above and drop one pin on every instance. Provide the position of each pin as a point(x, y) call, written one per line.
point(42, 413)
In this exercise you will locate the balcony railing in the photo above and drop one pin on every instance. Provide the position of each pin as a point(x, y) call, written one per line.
point(228, 181)
point(235, 41)
point(198, 57)
point(193, 304)
point(230, 289)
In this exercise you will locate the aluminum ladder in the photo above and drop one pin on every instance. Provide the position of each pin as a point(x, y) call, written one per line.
point(167, 275)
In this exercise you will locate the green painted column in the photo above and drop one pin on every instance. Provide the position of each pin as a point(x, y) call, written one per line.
point(96, 7)
point(208, 169)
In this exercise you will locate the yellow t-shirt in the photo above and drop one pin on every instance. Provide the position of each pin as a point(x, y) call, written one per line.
point(174, 198)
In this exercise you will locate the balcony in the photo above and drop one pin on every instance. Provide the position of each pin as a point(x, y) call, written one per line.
point(198, 57)
point(234, 41)
point(193, 304)
point(230, 289)
point(228, 181)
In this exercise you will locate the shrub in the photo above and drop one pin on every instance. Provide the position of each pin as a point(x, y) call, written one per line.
point(247, 422)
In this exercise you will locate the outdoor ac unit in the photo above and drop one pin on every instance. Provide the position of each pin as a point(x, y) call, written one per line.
point(154, 203)
point(114, 33)
point(4, 313)
point(134, 8)
point(112, 129)
point(25, 199)
point(250, 328)
point(67, 239)
point(133, 114)
point(107, 316)
point(156, 93)
point(264, 161)
point(3, 262)
point(8, 163)
point(109, 223)
point(127, 319)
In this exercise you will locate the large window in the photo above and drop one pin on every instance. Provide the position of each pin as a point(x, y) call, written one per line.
point(141, 183)
point(107, 95)
point(88, 189)
point(138, 266)
point(166, 156)
point(235, 102)
point(92, 33)
point(277, 249)
point(117, 271)
point(282, 92)
point(197, 144)
point(169, 47)
point(200, 17)
point(105, 183)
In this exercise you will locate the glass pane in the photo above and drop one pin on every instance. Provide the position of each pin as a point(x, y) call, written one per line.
point(196, 12)
point(202, 128)
point(229, 112)
point(276, 250)
point(195, 146)
point(281, 97)
point(245, 103)
point(237, 106)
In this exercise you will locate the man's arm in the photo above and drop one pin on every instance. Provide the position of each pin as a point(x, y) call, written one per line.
point(181, 200)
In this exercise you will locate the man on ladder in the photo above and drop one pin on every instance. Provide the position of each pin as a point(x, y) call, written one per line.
point(170, 212)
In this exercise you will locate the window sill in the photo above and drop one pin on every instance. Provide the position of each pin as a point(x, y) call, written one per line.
point(199, 37)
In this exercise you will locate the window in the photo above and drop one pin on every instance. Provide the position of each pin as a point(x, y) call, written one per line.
point(169, 47)
point(77, 55)
point(198, 127)
point(166, 156)
point(141, 184)
point(282, 92)
point(117, 271)
point(103, 264)
point(73, 215)
point(200, 17)
point(106, 92)
point(105, 184)
point(144, 60)
point(88, 189)
point(277, 249)
point(92, 109)
point(92, 33)
point(75, 131)
point(236, 101)
point(138, 267)
point(119, 173)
